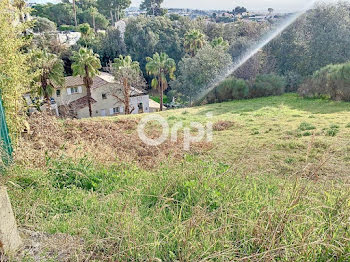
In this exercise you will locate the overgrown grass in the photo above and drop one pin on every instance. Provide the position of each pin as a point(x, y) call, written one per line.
point(197, 211)
point(263, 193)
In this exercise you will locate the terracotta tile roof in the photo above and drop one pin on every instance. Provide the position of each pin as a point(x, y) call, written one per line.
point(81, 103)
point(98, 81)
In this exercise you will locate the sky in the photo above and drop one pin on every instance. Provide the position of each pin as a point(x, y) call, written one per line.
point(279, 5)
point(253, 5)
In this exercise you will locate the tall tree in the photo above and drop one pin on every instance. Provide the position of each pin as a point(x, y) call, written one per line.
point(85, 4)
point(106, 7)
point(75, 12)
point(153, 7)
point(61, 13)
point(129, 75)
point(86, 65)
point(197, 73)
point(161, 66)
point(119, 7)
point(113, 8)
point(239, 10)
point(194, 40)
point(93, 12)
point(110, 46)
point(270, 10)
point(14, 67)
point(145, 36)
point(49, 73)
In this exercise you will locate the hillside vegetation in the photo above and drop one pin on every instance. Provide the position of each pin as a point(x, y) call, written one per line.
point(272, 186)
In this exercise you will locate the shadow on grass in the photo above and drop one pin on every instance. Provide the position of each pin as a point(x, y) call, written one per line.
point(293, 101)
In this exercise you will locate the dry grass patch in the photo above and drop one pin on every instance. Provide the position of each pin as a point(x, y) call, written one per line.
point(105, 141)
point(223, 125)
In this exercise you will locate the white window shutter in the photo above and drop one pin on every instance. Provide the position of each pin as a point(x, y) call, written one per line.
point(69, 91)
point(111, 111)
point(80, 89)
point(121, 109)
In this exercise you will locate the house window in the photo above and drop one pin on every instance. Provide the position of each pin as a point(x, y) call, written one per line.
point(115, 111)
point(104, 96)
point(58, 93)
point(74, 90)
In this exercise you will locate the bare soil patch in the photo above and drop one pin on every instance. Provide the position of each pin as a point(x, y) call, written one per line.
point(105, 141)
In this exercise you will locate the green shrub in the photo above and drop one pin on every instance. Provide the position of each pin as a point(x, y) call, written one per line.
point(85, 30)
point(331, 82)
point(230, 89)
point(42, 24)
point(66, 28)
point(333, 130)
point(268, 85)
point(307, 133)
point(304, 126)
point(293, 81)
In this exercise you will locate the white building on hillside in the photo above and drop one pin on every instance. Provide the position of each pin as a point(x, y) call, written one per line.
point(72, 100)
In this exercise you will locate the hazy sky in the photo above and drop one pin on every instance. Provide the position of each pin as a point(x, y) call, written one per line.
point(283, 5)
point(279, 5)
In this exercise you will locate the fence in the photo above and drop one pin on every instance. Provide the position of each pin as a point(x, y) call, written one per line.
point(6, 149)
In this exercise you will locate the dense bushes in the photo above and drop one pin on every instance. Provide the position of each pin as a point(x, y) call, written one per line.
point(233, 88)
point(268, 85)
point(67, 28)
point(229, 89)
point(63, 14)
point(332, 81)
point(42, 24)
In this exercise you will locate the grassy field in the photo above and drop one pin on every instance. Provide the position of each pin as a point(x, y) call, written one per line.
point(272, 186)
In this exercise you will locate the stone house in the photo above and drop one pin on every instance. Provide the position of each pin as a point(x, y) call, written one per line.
point(72, 100)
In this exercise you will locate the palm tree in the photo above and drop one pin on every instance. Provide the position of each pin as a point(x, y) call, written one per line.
point(86, 65)
point(93, 12)
point(160, 66)
point(194, 40)
point(219, 41)
point(127, 72)
point(49, 73)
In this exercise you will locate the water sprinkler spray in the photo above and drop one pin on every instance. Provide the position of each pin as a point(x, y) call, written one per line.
point(254, 50)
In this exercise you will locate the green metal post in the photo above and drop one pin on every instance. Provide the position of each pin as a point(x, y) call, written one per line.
point(7, 150)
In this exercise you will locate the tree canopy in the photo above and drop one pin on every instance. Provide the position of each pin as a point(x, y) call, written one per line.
point(153, 7)
point(196, 73)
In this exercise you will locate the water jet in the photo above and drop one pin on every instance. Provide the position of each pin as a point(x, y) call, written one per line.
point(254, 50)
